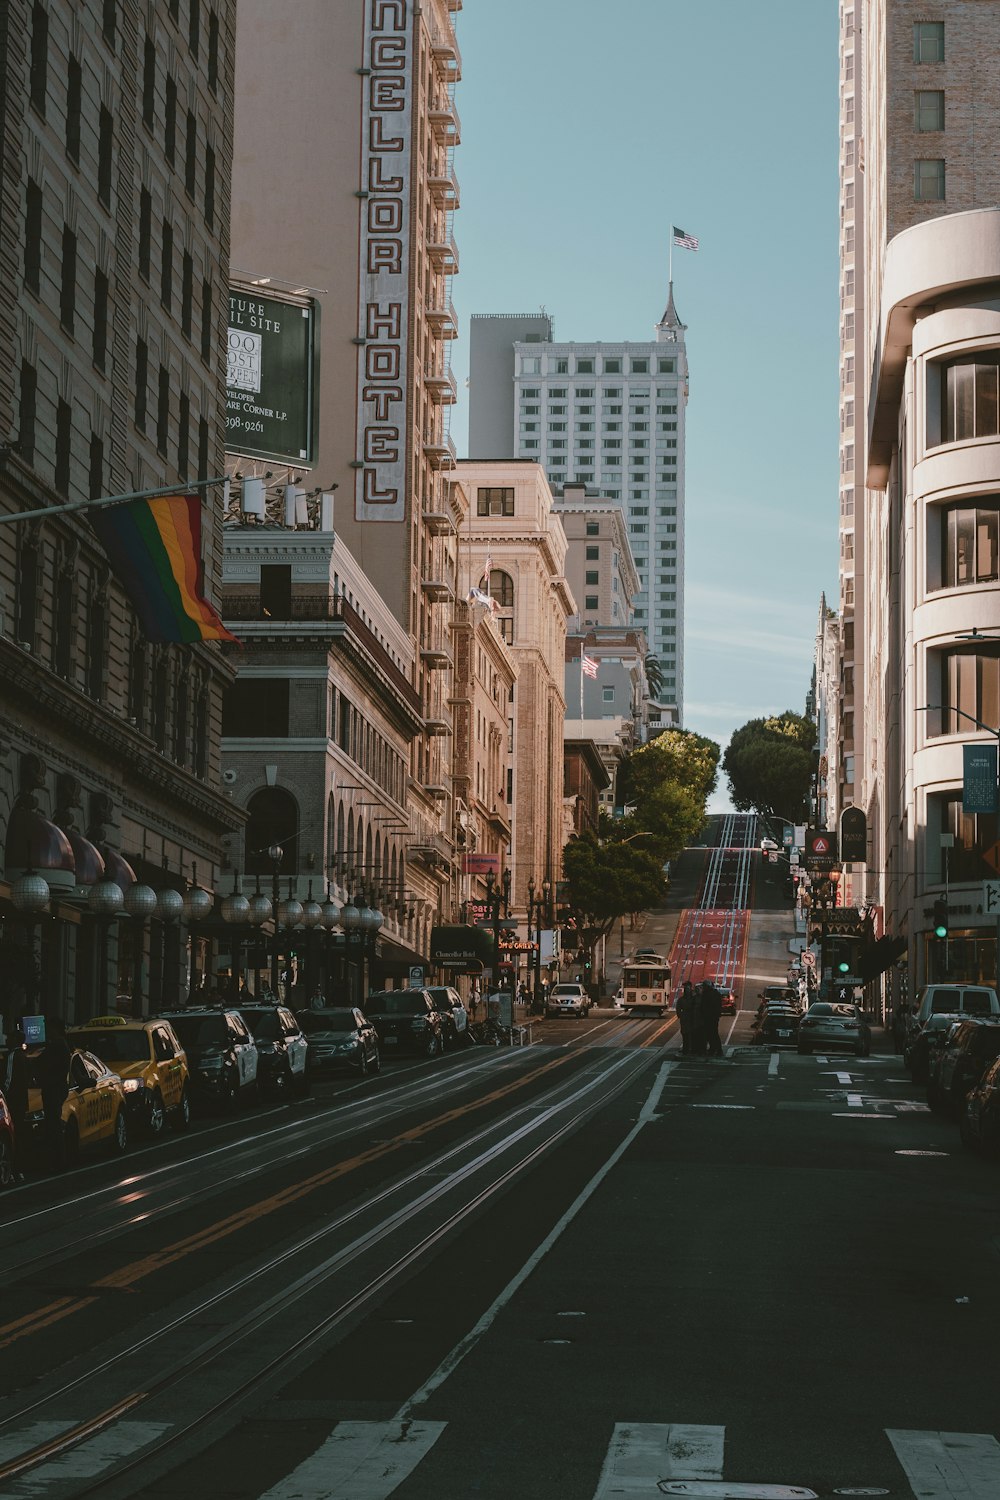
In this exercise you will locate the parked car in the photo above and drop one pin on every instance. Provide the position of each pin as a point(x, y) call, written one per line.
point(341, 1038)
point(453, 1013)
point(827, 1025)
point(567, 999)
point(222, 1057)
point(969, 1048)
point(94, 1112)
point(979, 1118)
point(148, 1057)
point(729, 1002)
point(406, 1021)
point(922, 1045)
point(8, 1151)
point(777, 1026)
point(781, 992)
point(282, 1049)
point(953, 999)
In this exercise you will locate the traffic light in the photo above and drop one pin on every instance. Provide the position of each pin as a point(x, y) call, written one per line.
point(941, 917)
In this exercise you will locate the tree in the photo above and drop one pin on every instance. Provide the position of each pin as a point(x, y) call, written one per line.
point(654, 674)
point(668, 782)
point(769, 763)
point(605, 881)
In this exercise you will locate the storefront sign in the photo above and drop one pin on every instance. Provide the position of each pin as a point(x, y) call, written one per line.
point(480, 864)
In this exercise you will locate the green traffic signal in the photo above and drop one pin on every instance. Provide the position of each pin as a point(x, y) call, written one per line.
point(843, 967)
point(941, 918)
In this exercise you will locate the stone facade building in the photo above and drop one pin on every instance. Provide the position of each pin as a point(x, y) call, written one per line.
point(114, 212)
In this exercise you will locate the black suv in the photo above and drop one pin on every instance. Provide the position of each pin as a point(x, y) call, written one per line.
point(979, 1117)
point(282, 1049)
point(222, 1057)
point(406, 1021)
point(960, 1064)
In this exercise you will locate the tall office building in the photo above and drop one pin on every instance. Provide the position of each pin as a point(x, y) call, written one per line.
point(344, 186)
point(926, 348)
point(611, 416)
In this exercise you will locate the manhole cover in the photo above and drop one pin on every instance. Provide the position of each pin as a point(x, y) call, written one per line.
point(724, 1489)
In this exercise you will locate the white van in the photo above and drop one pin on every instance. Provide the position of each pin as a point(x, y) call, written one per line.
point(955, 999)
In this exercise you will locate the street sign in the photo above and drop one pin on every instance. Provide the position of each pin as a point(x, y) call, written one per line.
point(992, 857)
point(853, 835)
point(808, 958)
point(991, 898)
point(979, 778)
point(416, 976)
point(820, 844)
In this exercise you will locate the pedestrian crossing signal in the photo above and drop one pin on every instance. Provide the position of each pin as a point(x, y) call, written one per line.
point(941, 917)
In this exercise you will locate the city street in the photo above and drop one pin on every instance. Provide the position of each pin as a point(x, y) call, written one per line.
point(584, 1268)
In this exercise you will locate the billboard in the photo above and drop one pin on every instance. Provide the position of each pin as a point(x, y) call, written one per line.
point(272, 381)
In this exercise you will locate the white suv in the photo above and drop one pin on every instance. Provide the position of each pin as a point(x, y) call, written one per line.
point(955, 998)
point(567, 1000)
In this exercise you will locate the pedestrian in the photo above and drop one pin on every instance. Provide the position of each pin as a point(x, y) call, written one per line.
point(15, 1087)
point(53, 1075)
point(686, 1008)
point(710, 1013)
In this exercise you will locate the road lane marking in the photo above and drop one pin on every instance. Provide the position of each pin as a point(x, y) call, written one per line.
point(844, 1078)
point(854, 1101)
point(86, 1460)
point(772, 1067)
point(465, 1345)
point(366, 1460)
point(948, 1465)
point(642, 1454)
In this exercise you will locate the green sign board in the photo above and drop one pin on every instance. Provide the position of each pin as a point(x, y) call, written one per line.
point(271, 377)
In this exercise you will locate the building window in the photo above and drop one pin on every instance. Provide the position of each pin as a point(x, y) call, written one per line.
point(968, 398)
point(74, 99)
point(167, 266)
point(928, 109)
point(162, 410)
point(170, 121)
point(141, 379)
point(96, 471)
point(612, 367)
point(109, 21)
point(209, 186)
point(101, 292)
point(97, 645)
point(145, 232)
point(495, 502)
point(257, 708)
point(928, 41)
point(592, 577)
point(105, 155)
point(67, 289)
point(561, 368)
point(666, 366)
point(33, 236)
point(531, 365)
point(206, 320)
point(63, 623)
point(928, 181)
point(585, 367)
point(187, 293)
point(64, 446)
point(969, 544)
point(213, 51)
point(639, 367)
point(608, 694)
point(191, 154)
point(970, 689)
point(26, 599)
point(149, 82)
point(183, 434)
point(39, 63)
point(591, 601)
point(502, 589)
point(203, 448)
point(593, 555)
point(194, 26)
point(593, 528)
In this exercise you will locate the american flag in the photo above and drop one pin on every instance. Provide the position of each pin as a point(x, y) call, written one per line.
point(484, 582)
point(685, 240)
point(589, 666)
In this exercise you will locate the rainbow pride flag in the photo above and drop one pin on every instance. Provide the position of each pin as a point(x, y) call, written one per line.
point(154, 547)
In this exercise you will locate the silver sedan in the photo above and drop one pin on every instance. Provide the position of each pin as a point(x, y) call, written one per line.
point(827, 1025)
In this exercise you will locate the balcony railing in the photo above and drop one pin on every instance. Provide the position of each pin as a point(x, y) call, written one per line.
point(445, 121)
point(443, 319)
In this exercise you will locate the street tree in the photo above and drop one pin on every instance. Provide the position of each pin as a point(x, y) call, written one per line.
point(608, 880)
point(769, 763)
point(667, 784)
point(654, 674)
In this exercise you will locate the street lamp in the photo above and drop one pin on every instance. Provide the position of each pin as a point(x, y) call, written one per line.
point(105, 899)
point(331, 921)
point(140, 904)
point(350, 921)
point(261, 911)
point(288, 916)
point(198, 907)
point(30, 894)
point(236, 913)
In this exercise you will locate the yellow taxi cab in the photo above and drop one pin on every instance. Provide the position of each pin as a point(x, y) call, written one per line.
point(150, 1062)
point(93, 1112)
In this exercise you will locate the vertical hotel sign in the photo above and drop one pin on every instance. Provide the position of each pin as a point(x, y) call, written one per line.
point(385, 261)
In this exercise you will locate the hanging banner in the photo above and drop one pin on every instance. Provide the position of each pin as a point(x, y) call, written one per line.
point(979, 778)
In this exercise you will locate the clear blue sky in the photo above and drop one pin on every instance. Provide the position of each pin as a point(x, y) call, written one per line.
point(587, 130)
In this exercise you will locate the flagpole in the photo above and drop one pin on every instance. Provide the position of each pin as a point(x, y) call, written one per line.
point(670, 258)
point(581, 688)
point(60, 510)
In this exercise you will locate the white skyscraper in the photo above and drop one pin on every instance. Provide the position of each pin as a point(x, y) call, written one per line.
point(611, 416)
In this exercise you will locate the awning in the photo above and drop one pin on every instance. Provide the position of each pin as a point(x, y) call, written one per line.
point(880, 955)
point(459, 946)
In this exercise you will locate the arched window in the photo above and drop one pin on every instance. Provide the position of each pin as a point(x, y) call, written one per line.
point(502, 589)
point(274, 819)
point(337, 853)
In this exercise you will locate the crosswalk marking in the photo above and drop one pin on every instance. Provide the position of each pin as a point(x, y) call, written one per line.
point(641, 1454)
point(87, 1459)
point(27, 1439)
point(948, 1465)
point(363, 1460)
